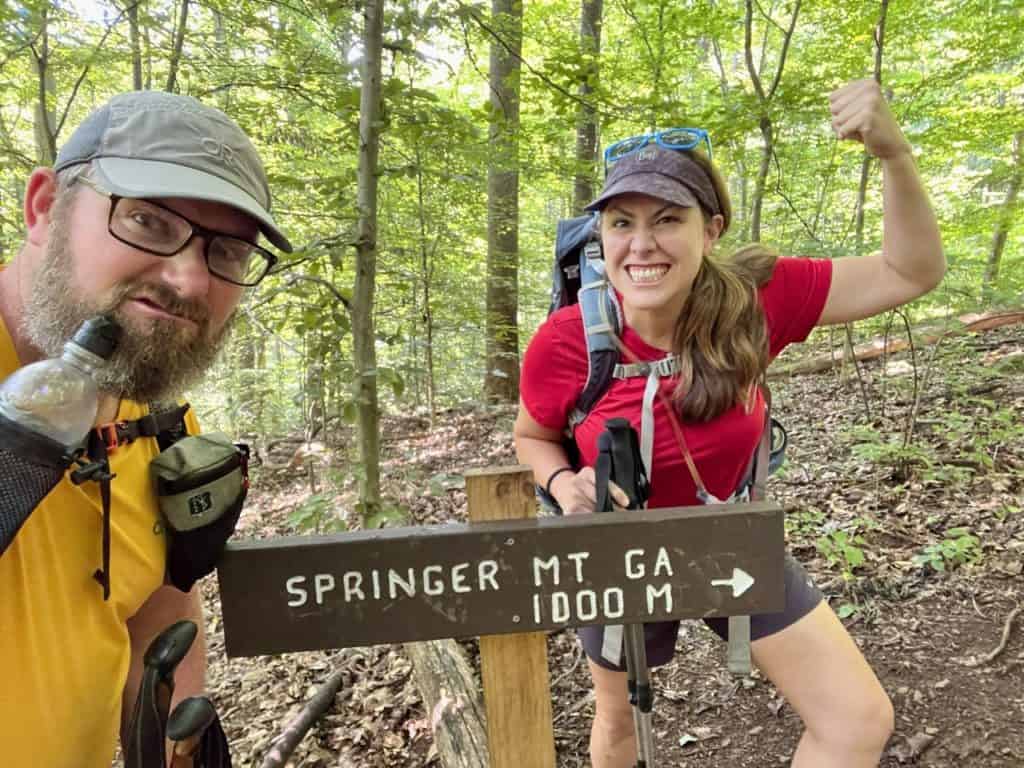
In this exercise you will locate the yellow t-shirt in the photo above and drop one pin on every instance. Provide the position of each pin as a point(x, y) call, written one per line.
point(64, 651)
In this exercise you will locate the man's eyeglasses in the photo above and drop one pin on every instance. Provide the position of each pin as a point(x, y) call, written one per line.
point(158, 230)
point(670, 138)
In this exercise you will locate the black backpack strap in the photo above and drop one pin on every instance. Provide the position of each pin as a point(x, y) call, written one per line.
point(98, 468)
point(165, 422)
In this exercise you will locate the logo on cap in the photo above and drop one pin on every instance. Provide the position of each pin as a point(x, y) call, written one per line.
point(645, 154)
point(221, 150)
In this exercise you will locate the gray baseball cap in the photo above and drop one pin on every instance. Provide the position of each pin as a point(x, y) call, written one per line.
point(667, 174)
point(152, 144)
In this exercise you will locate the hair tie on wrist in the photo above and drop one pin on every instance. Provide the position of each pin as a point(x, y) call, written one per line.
point(556, 473)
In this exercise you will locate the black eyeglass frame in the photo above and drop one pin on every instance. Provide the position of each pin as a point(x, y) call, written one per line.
point(208, 235)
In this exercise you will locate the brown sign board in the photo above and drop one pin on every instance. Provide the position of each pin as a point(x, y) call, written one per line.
point(422, 583)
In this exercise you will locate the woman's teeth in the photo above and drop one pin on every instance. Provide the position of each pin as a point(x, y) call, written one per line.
point(646, 274)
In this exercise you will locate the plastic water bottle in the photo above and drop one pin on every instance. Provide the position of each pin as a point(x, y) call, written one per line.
point(58, 397)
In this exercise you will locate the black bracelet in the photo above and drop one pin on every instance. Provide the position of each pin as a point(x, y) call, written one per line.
point(556, 473)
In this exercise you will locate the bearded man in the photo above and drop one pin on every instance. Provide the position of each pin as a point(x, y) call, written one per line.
point(151, 215)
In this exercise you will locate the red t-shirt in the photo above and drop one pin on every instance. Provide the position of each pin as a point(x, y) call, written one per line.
point(555, 372)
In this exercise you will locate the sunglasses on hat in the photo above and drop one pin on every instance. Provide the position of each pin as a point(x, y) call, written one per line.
point(671, 138)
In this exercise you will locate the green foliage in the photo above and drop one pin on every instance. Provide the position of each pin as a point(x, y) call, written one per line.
point(958, 547)
point(317, 514)
point(289, 74)
point(842, 549)
point(389, 513)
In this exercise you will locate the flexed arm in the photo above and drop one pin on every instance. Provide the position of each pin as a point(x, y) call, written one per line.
point(911, 262)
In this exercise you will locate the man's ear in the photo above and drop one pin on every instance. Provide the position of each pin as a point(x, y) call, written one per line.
point(40, 192)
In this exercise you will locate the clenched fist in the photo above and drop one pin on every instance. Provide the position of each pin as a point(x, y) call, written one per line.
point(861, 113)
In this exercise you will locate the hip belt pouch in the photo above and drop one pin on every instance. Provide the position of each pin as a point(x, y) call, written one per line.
point(201, 482)
point(30, 466)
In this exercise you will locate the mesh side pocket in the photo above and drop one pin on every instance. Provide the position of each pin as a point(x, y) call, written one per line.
point(30, 466)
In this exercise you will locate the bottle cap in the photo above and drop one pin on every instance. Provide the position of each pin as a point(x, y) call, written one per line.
point(100, 335)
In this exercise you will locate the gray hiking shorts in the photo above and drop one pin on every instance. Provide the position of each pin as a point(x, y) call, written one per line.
point(801, 598)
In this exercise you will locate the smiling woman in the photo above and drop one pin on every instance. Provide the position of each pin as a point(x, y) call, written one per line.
point(698, 331)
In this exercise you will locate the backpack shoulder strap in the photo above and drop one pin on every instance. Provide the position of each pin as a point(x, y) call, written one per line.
point(165, 422)
point(602, 325)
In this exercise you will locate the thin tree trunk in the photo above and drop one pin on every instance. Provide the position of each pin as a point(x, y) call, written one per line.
point(591, 12)
point(363, 334)
point(133, 28)
point(764, 100)
point(767, 147)
point(427, 273)
point(865, 166)
point(179, 42)
point(501, 381)
point(45, 127)
point(862, 193)
point(1005, 219)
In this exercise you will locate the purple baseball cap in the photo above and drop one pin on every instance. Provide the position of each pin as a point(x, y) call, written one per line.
point(666, 174)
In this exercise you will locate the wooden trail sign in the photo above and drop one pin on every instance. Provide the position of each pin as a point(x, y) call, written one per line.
point(511, 576)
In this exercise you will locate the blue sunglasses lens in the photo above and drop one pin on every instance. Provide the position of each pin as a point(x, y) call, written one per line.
point(621, 149)
point(682, 138)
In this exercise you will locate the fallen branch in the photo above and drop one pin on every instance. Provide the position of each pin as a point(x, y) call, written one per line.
point(879, 347)
point(293, 733)
point(451, 697)
point(1007, 626)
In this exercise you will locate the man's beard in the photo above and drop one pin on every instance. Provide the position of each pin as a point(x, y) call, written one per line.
point(154, 359)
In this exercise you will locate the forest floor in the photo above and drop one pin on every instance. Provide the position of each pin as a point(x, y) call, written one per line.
point(918, 546)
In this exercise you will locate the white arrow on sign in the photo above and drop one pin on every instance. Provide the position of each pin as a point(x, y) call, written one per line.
point(740, 582)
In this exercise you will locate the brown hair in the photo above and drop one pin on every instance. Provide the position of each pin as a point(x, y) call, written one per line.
point(721, 336)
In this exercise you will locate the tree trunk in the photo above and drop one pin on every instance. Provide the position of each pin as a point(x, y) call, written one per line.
point(501, 381)
point(764, 99)
point(767, 147)
point(179, 42)
point(1005, 219)
point(865, 166)
point(587, 157)
point(451, 697)
point(132, 10)
point(427, 275)
point(862, 194)
point(363, 335)
point(45, 127)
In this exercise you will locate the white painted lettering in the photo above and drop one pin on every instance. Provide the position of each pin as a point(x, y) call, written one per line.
point(536, 609)
point(322, 582)
point(294, 587)
point(663, 563)
point(550, 564)
point(559, 607)
point(395, 580)
point(613, 595)
point(586, 605)
point(486, 571)
point(653, 592)
point(634, 570)
point(435, 585)
point(459, 578)
point(578, 558)
point(375, 578)
point(353, 581)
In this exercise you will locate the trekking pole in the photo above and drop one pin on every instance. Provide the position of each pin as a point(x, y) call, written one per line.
point(619, 461)
point(145, 746)
point(196, 718)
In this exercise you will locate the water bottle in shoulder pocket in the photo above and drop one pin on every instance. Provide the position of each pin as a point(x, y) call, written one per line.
point(46, 411)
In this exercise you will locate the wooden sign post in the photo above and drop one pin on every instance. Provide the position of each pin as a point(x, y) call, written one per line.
point(514, 667)
point(515, 578)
